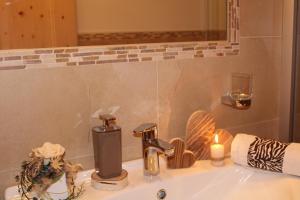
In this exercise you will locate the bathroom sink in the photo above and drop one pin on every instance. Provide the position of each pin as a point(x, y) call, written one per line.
point(202, 181)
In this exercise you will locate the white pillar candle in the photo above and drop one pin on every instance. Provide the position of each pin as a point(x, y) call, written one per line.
point(217, 152)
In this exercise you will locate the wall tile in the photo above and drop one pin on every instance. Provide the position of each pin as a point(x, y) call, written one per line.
point(39, 106)
point(261, 18)
point(127, 91)
point(265, 129)
point(189, 85)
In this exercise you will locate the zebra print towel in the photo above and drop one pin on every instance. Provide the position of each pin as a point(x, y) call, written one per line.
point(266, 154)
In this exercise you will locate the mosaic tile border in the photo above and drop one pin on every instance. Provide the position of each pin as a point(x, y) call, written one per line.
point(92, 55)
point(88, 39)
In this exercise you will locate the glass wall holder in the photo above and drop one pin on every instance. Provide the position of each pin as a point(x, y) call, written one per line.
point(240, 96)
point(239, 101)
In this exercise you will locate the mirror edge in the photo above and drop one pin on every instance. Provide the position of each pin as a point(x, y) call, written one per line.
point(91, 55)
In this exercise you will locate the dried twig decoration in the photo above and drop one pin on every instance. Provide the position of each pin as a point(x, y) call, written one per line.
point(46, 165)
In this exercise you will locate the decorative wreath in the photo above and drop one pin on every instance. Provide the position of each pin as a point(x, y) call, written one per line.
point(46, 165)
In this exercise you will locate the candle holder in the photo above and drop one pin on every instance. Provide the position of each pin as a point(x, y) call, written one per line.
point(218, 162)
point(217, 152)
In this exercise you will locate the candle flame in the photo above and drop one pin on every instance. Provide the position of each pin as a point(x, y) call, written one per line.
point(216, 138)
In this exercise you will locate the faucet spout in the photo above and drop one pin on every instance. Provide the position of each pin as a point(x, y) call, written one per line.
point(162, 147)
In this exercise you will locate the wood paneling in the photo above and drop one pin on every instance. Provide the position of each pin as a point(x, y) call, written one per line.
point(37, 24)
point(65, 22)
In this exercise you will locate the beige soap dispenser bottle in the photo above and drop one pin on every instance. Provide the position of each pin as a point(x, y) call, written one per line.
point(107, 143)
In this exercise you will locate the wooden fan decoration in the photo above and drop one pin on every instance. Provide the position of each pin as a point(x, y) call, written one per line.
point(182, 158)
point(200, 131)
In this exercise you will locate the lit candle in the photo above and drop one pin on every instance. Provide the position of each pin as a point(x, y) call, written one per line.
point(217, 152)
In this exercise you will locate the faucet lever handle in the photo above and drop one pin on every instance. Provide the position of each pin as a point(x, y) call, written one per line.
point(149, 129)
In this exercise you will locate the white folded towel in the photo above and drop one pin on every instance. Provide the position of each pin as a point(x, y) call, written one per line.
point(249, 150)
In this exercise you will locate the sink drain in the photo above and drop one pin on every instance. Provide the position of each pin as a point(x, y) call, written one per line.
point(161, 194)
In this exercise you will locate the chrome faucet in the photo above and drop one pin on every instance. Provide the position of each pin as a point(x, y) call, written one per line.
point(152, 147)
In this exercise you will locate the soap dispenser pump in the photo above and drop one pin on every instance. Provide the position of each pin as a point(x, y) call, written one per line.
point(107, 143)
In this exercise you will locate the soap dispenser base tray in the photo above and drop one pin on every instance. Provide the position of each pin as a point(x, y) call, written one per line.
point(116, 183)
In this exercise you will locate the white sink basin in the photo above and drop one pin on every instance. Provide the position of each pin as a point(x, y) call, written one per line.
point(201, 182)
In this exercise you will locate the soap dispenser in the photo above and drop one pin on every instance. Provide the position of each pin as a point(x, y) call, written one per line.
point(107, 143)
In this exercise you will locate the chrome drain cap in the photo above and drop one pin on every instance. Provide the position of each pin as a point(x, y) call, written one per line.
point(161, 194)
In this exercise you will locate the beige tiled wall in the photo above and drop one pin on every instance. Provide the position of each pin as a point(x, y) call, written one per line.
point(60, 104)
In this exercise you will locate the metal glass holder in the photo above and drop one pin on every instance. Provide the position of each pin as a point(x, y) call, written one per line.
point(240, 96)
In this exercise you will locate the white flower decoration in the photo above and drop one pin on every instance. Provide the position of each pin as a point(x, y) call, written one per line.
point(49, 150)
